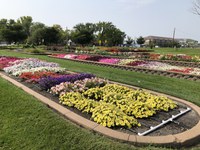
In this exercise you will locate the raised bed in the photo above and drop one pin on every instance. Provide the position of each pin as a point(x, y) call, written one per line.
point(139, 69)
point(178, 63)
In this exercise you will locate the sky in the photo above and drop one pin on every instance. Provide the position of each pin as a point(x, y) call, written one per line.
point(134, 17)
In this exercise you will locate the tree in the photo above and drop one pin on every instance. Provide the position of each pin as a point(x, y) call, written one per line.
point(62, 35)
point(140, 40)
point(51, 36)
point(10, 31)
point(82, 37)
point(108, 34)
point(152, 44)
point(36, 33)
point(26, 22)
point(44, 35)
point(129, 40)
point(196, 7)
point(83, 33)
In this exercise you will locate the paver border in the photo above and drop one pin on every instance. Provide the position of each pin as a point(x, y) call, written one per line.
point(186, 138)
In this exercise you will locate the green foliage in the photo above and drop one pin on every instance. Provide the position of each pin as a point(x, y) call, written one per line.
point(11, 31)
point(109, 35)
point(44, 35)
point(129, 40)
point(140, 40)
point(83, 33)
point(82, 37)
point(26, 22)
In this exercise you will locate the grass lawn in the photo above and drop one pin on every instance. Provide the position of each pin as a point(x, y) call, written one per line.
point(28, 124)
point(187, 51)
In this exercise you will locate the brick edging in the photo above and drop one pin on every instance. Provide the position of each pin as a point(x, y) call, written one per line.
point(186, 138)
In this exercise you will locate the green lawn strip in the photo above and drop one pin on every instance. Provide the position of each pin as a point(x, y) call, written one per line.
point(188, 51)
point(181, 88)
point(28, 124)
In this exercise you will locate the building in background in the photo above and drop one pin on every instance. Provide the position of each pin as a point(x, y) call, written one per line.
point(169, 42)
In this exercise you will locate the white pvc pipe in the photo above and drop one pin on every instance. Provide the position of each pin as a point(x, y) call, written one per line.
point(165, 122)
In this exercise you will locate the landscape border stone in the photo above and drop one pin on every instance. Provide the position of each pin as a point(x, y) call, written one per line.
point(186, 138)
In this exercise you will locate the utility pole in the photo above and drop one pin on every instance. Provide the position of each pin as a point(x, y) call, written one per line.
point(173, 37)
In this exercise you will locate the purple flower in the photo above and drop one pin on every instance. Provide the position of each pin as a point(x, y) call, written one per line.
point(48, 82)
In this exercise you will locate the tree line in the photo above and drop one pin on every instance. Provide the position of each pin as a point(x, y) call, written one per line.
point(24, 30)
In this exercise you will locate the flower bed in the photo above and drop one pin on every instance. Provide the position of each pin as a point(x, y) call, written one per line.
point(177, 57)
point(109, 60)
point(111, 105)
point(18, 67)
point(115, 105)
point(138, 63)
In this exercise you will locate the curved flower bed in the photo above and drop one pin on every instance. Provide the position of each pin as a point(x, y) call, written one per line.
point(135, 62)
point(110, 105)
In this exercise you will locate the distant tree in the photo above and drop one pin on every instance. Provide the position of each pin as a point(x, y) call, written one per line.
point(44, 35)
point(108, 34)
point(37, 37)
point(129, 40)
point(3, 24)
point(51, 36)
point(61, 33)
point(37, 31)
point(83, 33)
point(196, 7)
point(11, 31)
point(82, 37)
point(140, 40)
point(152, 44)
point(26, 22)
point(35, 26)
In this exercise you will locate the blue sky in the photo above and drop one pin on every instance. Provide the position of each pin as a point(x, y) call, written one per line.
point(134, 17)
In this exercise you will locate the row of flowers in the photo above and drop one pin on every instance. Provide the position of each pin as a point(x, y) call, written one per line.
point(177, 57)
point(132, 62)
point(108, 104)
point(5, 61)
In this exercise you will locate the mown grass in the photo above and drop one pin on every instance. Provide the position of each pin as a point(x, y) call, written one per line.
point(27, 124)
point(188, 51)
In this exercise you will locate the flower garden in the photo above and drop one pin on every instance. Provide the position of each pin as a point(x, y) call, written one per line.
point(108, 104)
point(177, 57)
point(153, 65)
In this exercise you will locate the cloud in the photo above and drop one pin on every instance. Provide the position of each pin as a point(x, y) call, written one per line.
point(136, 3)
